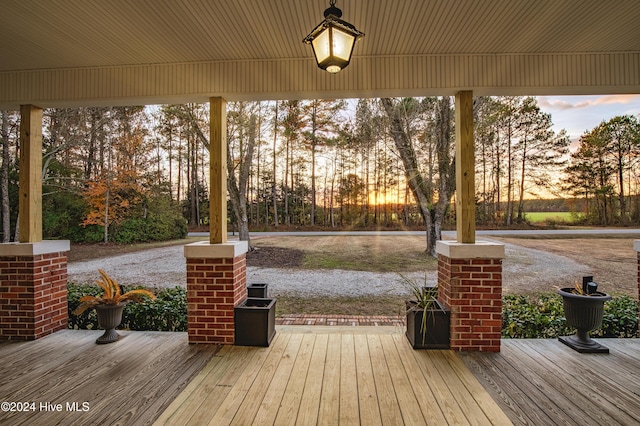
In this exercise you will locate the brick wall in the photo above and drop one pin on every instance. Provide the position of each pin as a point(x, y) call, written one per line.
point(214, 287)
point(33, 295)
point(472, 288)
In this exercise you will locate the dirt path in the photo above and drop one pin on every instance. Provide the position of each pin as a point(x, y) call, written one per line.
point(524, 270)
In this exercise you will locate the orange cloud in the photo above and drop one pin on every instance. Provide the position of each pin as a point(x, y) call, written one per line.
point(558, 104)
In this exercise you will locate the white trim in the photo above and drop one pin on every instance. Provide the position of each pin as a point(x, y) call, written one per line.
point(479, 250)
point(636, 245)
point(206, 250)
point(34, 249)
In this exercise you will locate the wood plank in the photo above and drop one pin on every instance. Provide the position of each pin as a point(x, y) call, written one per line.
point(30, 174)
point(312, 391)
point(349, 413)
point(329, 411)
point(387, 400)
point(465, 169)
point(290, 404)
point(411, 412)
point(446, 401)
point(267, 409)
point(536, 368)
point(367, 396)
point(259, 368)
point(190, 399)
point(142, 373)
point(605, 398)
point(493, 412)
point(502, 381)
point(421, 388)
point(196, 403)
point(218, 171)
point(468, 407)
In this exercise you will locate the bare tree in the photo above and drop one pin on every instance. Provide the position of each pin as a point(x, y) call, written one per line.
point(432, 211)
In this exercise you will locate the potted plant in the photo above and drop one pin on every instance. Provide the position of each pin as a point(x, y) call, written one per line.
point(255, 321)
point(110, 305)
point(427, 320)
point(583, 309)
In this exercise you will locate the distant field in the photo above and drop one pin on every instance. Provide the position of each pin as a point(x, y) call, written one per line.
point(536, 217)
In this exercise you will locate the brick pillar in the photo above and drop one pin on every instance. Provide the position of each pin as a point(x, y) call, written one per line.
point(470, 284)
point(33, 289)
point(636, 247)
point(216, 283)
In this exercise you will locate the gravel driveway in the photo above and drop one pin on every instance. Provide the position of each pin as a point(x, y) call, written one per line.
point(524, 270)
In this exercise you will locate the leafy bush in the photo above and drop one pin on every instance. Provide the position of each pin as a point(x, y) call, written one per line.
point(542, 316)
point(152, 228)
point(168, 312)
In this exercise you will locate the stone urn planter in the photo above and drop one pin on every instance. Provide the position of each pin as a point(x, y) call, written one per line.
point(584, 312)
point(255, 321)
point(110, 305)
point(109, 317)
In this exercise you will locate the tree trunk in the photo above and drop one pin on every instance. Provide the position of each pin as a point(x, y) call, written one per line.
point(4, 180)
point(411, 169)
point(273, 185)
point(238, 187)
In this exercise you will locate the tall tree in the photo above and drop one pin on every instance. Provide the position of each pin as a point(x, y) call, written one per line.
point(241, 141)
point(541, 150)
point(431, 210)
point(4, 177)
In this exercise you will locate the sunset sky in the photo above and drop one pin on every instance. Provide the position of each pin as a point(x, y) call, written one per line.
point(578, 114)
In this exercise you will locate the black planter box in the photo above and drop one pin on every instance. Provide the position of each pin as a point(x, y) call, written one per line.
point(257, 290)
point(255, 322)
point(437, 336)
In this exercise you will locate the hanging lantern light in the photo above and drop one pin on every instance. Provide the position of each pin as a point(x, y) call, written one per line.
point(333, 40)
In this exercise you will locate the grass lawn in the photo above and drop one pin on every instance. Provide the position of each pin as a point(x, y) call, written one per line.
point(540, 217)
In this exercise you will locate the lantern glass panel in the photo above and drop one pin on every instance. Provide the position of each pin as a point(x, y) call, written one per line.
point(322, 46)
point(342, 44)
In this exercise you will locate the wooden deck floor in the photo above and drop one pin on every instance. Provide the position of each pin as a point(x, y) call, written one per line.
point(316, 375)
point(543, 382)
point(330, 376)
point(128, 382)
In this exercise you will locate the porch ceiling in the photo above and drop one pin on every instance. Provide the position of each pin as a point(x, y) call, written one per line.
point(126, 51)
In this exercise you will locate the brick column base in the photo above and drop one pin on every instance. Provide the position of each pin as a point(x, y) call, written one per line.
point(470, 284)
point(636, 247)
point(216, 283)
point(33, 289)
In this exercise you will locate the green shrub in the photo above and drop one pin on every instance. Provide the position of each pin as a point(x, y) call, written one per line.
point(542, 316)
point(167, 313)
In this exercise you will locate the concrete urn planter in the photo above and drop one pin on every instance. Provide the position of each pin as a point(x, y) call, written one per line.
point(584, 312)
point(109, 317)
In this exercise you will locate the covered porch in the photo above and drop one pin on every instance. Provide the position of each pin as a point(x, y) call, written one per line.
point(314, 375)
point(142, 53)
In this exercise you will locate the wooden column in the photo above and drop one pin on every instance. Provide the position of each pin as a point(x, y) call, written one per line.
point(218, 171)
point(465, 169)
point(30, 190)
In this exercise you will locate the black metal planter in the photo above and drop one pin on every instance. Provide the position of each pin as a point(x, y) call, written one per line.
point(437, 327)
point(255, 322)
point(585, 314)
point(109, 317)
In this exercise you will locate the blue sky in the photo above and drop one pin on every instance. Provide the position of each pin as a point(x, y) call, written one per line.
point(577, 114)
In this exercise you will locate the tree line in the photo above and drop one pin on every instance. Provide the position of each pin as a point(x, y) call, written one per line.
point(141, 173)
